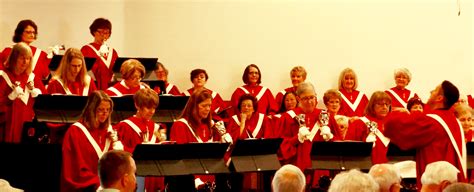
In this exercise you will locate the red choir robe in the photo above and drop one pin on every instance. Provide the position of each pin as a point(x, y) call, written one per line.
point(281, 94)
point(120, 89)
point(353, 104)
point(265, 99)
point(218, 103)
point(258, 126)
point(82, 149)
point(430, 139)
point(102, 68)
point(291, 150)
point(39, 61)
point(469, 137)
point(470, 101)
point(130, 133)
point(356, 131)
point(56, 86)
point(380, 148)
point(19, 110)
point(275, 124)
point(170, 89)
point(400, 97)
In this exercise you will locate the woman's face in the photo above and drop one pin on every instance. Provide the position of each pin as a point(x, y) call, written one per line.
point(75, 68)
point(246, 107)
point(134, 80)
point(333, 105)
point(22, 63)
point(297, 78)
point(466, 121)
point(253, 76)
point(416, 108)
point(307, 101)
point(290, 102)
point(101, 35)
point(348, 81)
point(29, 35)
point(401, 80)
point(381, 109)
point(204, 108)
point(199, 80)
point(146, 112)
point(103, 111)
point(161, 74)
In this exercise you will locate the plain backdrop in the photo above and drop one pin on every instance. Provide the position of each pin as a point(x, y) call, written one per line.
point(373, 37)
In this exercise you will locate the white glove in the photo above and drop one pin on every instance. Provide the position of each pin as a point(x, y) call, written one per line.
point(54, 50)
point(117, 145)
point(34, 92)
point(17, 91)
point(326, 133)
point(103, 50)
point(303, 134)
point(371, 138)
point(226, 138)
point(198, 182)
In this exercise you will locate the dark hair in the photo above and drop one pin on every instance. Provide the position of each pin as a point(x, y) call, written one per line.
point(89, 115)
point(414, 101)
point(283, 106)
point(100, 23)
point(196, 72)
point(20, 28)
point(245, 76)
point(248, 97)
point(450, 93)
point(191, 110)
point(112, 166)
point(146, 98)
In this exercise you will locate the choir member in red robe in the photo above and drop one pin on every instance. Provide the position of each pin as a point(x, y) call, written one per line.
point(199, 79)
point(132, 73)
point(249, 123)
point(140, 129)
point(415, 105)
point(71, 77)
point(101, 29)
point(297, 141)
point(353, 102)
point(252, 78)
point(18, 89)
point(400, 94)
point(437, 136)
point(162, 74)
point(26, 31)
point(463, 113)
point(297, 75)
point(289, 102)
point(85, 142)
point(470, 101)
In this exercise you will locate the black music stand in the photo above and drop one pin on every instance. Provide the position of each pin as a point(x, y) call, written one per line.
point(470, 155)
point(59, 108)
point(395, 154)
point(341, 155)
point(180, 159)
point(170, 108)
point(56, 60)
point(148, 63)
point(251, 155)
point(156, 83)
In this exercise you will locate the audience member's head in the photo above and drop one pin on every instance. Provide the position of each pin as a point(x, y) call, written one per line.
point(289, 178)
point(459, 187)
point(117, 171)
point(387, 176)
point(353, 181)
point(438, 175)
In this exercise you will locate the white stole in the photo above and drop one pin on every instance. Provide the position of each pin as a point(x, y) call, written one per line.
point(257, 127)
point(91, 140)
point(191, 130)
point(109, 55)
point(139, 131)
point(399, 99)
point(378, 133)
point(356, 103)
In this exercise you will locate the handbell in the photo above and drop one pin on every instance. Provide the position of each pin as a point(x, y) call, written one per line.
point(301, 120)
point(324, 117)
point(220, 127)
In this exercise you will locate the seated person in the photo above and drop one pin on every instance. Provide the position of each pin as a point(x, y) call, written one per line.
point(438, 175)
point(354, 179)
point(289, 178)
point(249, 123)
point(387, 176)
point(289, 103)
point(117, 171)
point(415, 105)
point(71, 77)
point(162, 74)
point(132, 73)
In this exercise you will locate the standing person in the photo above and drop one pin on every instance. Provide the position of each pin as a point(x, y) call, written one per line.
point(27, 31)
point(71, 77)
point(437, 136)
point(132, 73)
point(18, 89)
point(101, 29)
point(297, 75)
point(400, 94)
point(464, 114)
point(85, 142)
point(353, 102)
point(117, 171)
point(289, 103)
point(252, 78)
point(162, 74)
point(199, 79)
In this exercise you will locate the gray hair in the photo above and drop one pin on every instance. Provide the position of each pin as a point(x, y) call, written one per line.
point(439, 171)
point(289, 178)
point(353, 181)
point(402, 71)
point(459, 187)
point(303, 87)
point(385, 175)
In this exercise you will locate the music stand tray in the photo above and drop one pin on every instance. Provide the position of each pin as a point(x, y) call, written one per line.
point(395, 154)
point(59, 108)
point(180, 159)
point(470, 155)
point(341, 155)
point(253, 155)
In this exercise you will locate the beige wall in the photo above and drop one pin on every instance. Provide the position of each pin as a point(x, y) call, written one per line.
point(223, 36)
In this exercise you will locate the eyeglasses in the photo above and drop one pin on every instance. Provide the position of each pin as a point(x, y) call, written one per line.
point(29, 32)
point(308, 98)
point(103, 31)
point(383, 104)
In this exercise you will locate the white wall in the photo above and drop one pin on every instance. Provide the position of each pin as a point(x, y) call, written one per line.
point(223, 36)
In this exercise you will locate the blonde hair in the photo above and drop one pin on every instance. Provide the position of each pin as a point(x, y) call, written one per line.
point(89, 114)
point(18, 50)
point(65, 67)
point(342, 76)
point(130, 66)
point(299, 69)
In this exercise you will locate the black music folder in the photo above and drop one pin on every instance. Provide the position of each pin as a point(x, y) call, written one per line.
point(180, 159)
point(341, 155)
point(59, 108)
point(470, 155)
point(170, 108)
point(148, 63)
point(395, 154)
point(251, 155)
point(56, 60)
